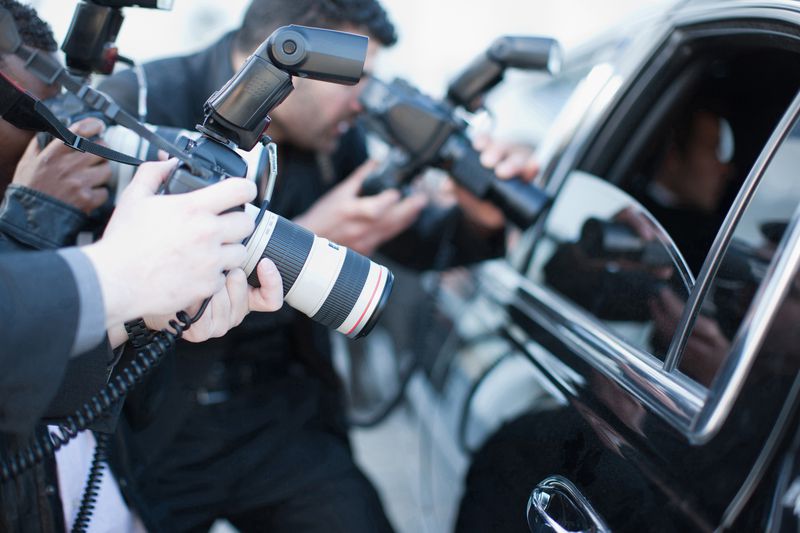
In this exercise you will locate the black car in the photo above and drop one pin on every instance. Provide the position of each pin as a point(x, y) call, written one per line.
point(633, 364)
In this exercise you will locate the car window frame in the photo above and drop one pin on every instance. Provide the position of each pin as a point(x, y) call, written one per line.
point(694, 410)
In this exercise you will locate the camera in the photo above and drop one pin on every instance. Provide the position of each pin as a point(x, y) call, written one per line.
point(331, 284)
point(69, 109)
point(615, 241)
point(89, 44)
point(426, 132)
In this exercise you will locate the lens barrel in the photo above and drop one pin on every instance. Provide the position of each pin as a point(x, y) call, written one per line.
point(332, 284)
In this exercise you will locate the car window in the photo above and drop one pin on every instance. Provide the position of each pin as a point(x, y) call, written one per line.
point(744, 264)
point(606, 253)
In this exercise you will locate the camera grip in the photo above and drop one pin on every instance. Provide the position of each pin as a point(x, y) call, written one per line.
point(520, 201)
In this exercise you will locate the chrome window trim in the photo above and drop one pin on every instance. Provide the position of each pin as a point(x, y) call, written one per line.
point(728, 227)
point(748, 340)
point(673, 396)
point(690, 408)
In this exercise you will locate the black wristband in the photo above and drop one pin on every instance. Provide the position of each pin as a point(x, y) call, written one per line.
point(138, 333)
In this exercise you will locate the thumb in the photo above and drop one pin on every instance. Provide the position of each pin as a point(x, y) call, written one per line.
point(268, 297)
point(149, 178)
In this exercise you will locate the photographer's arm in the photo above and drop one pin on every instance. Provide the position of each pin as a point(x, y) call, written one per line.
point(53, 304)
point(40, 324)
point(52, 190)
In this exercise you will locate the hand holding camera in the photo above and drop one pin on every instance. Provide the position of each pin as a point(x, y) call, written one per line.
point(229, 306)
point(75, 178)
point(162, 253)
point(362, 223)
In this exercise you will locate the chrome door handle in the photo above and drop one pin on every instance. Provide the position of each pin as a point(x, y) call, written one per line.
point(557, 506)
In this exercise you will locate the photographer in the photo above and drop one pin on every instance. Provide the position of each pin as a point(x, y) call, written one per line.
point(264, 416)
point(79, 293)
point(51, 185)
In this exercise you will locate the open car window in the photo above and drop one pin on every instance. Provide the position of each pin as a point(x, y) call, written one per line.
point(605, 252)
point(744, 264)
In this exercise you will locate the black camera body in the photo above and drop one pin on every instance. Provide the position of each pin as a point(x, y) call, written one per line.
point(427, 132)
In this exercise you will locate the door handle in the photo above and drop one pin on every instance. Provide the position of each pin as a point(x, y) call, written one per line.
point(557, 506)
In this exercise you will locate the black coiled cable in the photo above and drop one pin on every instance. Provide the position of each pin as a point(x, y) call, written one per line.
point(146, 359)
point(90, 494)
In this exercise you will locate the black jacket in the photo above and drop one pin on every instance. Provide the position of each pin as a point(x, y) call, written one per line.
point(40, 306)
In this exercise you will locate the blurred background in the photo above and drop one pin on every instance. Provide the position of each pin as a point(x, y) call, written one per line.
point(437, 39)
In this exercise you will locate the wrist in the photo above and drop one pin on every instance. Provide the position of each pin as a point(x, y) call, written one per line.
point(119, 306)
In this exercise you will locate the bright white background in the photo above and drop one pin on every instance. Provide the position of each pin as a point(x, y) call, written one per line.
point(437, 37)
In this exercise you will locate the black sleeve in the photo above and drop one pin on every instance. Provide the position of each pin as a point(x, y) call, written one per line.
point(442, 238)
point(39, 310)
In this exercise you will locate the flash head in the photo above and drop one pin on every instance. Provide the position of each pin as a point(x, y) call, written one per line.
point(486, 71)
point(238, 112)
point(318, 54)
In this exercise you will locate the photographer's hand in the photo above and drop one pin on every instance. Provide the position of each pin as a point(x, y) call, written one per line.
point(231, 304)
point(160, 254)
point(508, 160)
point(361, 223)
point(75, 178)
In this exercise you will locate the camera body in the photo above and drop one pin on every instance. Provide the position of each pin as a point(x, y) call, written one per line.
point(427, 132)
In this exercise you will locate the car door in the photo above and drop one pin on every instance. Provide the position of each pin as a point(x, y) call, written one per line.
point(655, 311)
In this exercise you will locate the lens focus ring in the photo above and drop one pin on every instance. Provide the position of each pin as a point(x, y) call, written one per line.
point(344, 295)
point(288, 248)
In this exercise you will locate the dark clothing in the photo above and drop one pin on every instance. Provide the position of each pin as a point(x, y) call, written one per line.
point(34, 220)
point(693, 231)
point(42, 302)
point(37, 294)
point(253, 424)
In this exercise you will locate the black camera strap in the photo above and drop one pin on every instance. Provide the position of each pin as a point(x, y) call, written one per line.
point(26, 112)
point(51, 71)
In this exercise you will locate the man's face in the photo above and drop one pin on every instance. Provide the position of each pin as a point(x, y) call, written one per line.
point(316, 114)
point(703, 172)
point(13, 141)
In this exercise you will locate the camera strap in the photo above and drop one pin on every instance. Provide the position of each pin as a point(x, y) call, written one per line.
point(50, 71)
point(24, 111)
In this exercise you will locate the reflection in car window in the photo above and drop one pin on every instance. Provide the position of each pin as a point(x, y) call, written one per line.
point(605, 252)
point(744, 264)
